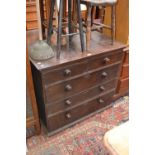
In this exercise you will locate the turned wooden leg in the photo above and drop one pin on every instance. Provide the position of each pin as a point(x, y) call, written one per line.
point(37, 127)
point(102, 16)
point(50, 26)
point(80, 25)
point(59, 28)
point(69, 19)
point(65, 8)
point(74, 16)
point(88, 29)
point(42, 18)
point(93, 14)
point(112, 24)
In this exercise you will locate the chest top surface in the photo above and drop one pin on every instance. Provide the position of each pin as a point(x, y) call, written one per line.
point(99, 44)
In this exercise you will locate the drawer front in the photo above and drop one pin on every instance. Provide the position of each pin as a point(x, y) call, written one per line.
point(123, 85)
point(74, 114)
point(125, 71)
point(64, 73)
point(79, 98)
point(68, 88)
point(105, 59)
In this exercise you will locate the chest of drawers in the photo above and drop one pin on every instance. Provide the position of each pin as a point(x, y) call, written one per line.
point(76, 86)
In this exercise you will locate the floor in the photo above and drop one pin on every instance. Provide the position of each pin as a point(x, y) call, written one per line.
point(86, 136)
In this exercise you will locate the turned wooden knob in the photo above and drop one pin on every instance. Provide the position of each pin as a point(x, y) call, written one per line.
point(106, 60)
point(68, 87)
point(102, 88)
point(100, 100)
point(104, 74)
point(68, 102)
point(68, 115)
point(67, 72)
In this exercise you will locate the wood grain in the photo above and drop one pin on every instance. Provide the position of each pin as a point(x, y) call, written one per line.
point(122, 20)
point(35, 119)
point(89, 85)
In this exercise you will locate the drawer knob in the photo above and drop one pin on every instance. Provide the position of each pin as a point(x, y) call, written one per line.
point(106, 60)
point(102, 88)
point(67, 72)
point(68, 102)
point(100, 100)
point(68, 115)
point(68, 87)
point(104, 74)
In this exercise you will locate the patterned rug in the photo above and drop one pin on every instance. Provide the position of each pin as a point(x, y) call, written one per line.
point(85, 138)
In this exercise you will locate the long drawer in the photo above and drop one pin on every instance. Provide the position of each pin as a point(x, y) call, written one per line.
point(74, 114)
point(68, 71)
point(68, 88)
point(74, 100)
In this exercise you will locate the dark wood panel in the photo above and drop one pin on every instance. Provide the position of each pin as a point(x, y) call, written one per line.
point(76, 99)
point(69, 116)
point(87, 81)
point(39, 92)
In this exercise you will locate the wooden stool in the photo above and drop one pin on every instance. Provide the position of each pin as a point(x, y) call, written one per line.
point(59, 30)
point(90, 4)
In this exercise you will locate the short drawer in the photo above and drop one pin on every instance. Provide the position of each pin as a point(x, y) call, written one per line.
point(63, 73)
point(64, 118)
point(105, 59)
point(74, 100)
point(71, 87)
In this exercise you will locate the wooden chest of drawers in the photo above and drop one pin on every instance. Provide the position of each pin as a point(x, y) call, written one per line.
point(78, 85)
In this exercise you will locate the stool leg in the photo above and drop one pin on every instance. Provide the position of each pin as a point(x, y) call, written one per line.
point(69, 19)
point(80, 25)
point(50, 26)
point(93, 14)
point(88, 29)
point(112, 24)
point(59, 28)
point(42, 18)
point(74, 17)
point(102, 17)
